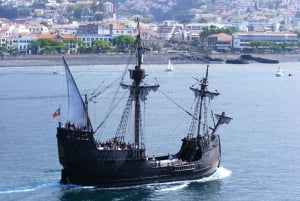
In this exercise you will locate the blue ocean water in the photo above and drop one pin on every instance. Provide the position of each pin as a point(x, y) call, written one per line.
point(260, 147)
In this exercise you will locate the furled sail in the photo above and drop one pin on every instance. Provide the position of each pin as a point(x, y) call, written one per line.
point(222, 119)
point(144, 89)
point(76, 109)
point(209, 94)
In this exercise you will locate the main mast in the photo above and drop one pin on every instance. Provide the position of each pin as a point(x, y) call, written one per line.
point(138, 92)
point(137, 75)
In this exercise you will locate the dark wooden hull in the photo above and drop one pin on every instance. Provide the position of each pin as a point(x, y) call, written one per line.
point(84, 164)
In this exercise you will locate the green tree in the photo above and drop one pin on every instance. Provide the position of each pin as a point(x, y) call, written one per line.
point(34, 46)
point(49, 46)
point(100, 46)
point(77, 12)
point(156, 47)
point(194, 44)
point(202, 20)
point(3, 49)
point(257, 45)
point(206, 31)
point(276, 47)
point(75, 43)
point(123, 43)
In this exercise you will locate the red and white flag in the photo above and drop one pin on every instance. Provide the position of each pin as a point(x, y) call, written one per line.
point(56, 113)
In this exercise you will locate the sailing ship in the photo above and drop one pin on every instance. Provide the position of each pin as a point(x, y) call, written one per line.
point(115, 163)
point(170, 66)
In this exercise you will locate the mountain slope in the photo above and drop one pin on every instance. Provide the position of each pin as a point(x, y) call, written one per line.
point(157, 10)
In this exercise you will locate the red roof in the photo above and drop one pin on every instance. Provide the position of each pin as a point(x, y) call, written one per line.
point(222, 36)
point(46, 36)
point(67, 36)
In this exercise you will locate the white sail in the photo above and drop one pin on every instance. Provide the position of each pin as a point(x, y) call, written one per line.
point(76, 108)
point(170, 66)
point(280, 72)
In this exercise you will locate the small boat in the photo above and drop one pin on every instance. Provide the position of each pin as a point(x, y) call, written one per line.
point(170, 66)
point(280, 72)
point(117, 162)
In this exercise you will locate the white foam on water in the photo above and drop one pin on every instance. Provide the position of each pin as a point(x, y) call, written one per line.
point(171, 187)
point(24, 189)
point(221, 173)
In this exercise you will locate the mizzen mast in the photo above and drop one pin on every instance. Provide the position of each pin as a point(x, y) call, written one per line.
point(202, 94)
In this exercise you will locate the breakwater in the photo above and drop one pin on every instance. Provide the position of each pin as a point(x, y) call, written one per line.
point(115, 59)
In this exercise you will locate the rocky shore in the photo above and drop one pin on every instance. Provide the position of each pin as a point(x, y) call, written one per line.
point(115, 59)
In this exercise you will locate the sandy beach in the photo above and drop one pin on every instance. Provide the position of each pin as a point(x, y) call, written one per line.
point(115, 59)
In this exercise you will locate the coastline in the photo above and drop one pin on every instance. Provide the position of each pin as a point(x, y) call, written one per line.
point(121, 59)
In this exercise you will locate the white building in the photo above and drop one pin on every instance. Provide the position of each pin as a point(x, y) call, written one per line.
point(89, 38)
point(21, 42)
point(241, 40)
point(105, 32)
point(219, 42)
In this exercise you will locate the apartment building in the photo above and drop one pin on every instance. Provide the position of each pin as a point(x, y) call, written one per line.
point(241, 40)
point(105, 32)
point(20, 42)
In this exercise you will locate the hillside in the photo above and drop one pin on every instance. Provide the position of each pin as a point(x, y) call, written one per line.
point(158, 10)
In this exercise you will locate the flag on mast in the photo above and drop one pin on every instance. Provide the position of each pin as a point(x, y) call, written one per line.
point(56, 113)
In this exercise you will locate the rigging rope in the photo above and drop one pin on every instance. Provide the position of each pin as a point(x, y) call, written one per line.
point(112, 106)
point(190, 114)
point(110, 111)
point(175, 103)
point(95, 95)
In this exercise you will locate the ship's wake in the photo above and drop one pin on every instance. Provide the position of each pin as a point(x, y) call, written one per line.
point(24, 189)
point(221, 173)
